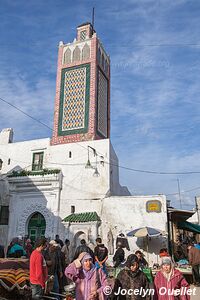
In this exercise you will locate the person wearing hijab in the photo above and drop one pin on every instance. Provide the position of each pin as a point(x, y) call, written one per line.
point(131, 278)
point(169, 279)
point(16, 250)
point(89, 281)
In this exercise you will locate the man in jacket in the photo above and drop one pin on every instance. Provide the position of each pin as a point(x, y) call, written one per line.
point(101, 255)
point(2, 253)
point(53, 260)
point(130, 279)
point(119, 256)
point(194, 261)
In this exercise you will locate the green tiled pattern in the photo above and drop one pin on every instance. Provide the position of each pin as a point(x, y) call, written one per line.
point(74, 100)
point(82, 217)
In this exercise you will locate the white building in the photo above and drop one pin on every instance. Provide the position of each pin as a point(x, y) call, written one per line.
point(69, 184)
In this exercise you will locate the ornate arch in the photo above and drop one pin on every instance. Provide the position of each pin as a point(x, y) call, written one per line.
point(67, 56)
point(76, 54)
point(86, 52)
point(29, 211)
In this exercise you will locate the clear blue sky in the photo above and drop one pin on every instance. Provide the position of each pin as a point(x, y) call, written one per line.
point(154, 47)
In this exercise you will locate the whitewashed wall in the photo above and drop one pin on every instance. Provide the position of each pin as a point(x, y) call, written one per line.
point(53, 196)
point(121, 214)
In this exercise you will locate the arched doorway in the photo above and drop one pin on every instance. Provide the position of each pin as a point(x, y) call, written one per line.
point(76, 241)
point(36, 226)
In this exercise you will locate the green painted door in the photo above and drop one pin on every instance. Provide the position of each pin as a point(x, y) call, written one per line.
point(36, 226)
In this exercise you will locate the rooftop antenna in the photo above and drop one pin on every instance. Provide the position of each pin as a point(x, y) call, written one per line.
point(179, 193)
point(93, 18)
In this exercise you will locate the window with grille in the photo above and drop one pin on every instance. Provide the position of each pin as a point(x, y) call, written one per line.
point(37, 164)
point(83, 35)
point(4, 215)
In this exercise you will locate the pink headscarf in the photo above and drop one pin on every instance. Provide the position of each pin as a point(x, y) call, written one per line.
point(88, 273)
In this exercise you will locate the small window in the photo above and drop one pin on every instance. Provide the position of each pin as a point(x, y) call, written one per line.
point(70, 154)
point(99, 56)
point(72, 209)
point(37, 161)
point(1, 163)
point(4, 214)
point(83, 35)
point(9, 161)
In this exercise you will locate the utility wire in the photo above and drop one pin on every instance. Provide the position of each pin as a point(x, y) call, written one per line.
point(83, 164)
point(26, 114)
point(153, 172)
point(162, 45)
point(33, 118)
point(182, 192)
point(110, 45)
point(100, 154)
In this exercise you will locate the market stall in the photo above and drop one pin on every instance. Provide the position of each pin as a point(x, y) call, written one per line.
point(14, 278)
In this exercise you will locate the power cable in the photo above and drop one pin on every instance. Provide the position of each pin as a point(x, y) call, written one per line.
point(33, 118)
point(182, 192)
point(41, 123)
point(83, 164)
point(100, 154)
point(154, 172)
point(117, 165)
point(26, 114)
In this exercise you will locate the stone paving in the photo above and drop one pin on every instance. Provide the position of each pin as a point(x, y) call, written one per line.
point(197, 296)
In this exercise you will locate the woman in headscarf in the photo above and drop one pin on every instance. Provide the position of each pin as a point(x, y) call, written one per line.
point(130, 279)
point(89, 281)
point(170, 283)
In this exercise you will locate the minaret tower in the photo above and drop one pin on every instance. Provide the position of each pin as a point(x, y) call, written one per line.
point(82, 103)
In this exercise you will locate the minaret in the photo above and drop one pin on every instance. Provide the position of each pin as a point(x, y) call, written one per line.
point(82, 102)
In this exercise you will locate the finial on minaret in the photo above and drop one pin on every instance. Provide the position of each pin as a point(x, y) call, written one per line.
point(93, 18)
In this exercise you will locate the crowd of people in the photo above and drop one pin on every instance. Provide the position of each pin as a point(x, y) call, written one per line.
point(90, 274)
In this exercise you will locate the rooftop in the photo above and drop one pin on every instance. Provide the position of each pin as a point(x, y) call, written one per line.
point(82, 217)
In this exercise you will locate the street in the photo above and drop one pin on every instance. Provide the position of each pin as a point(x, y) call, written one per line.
point(197, 296)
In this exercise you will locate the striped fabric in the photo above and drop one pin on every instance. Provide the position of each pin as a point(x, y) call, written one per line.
point(14, 273)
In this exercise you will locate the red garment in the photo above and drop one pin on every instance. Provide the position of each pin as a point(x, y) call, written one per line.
point(164, 254)
point(177, 281)
point(38, 269)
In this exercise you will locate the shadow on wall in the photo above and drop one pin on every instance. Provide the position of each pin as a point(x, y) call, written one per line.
point(4, 209)
point(152, 244)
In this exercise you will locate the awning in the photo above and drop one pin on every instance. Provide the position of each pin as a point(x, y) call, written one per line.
point(82, 217)
point(189, 226)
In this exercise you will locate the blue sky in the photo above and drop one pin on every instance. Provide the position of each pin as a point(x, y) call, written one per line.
point(154, 47)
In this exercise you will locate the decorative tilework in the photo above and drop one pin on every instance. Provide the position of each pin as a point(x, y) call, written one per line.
point(102, 104)
point(74, 101)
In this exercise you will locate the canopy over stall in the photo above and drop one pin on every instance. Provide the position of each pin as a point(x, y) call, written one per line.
point(189, 226)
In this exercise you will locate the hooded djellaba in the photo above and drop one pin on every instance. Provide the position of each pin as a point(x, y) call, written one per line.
point(169, 281)
point(131, 278)
point(89, 281)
